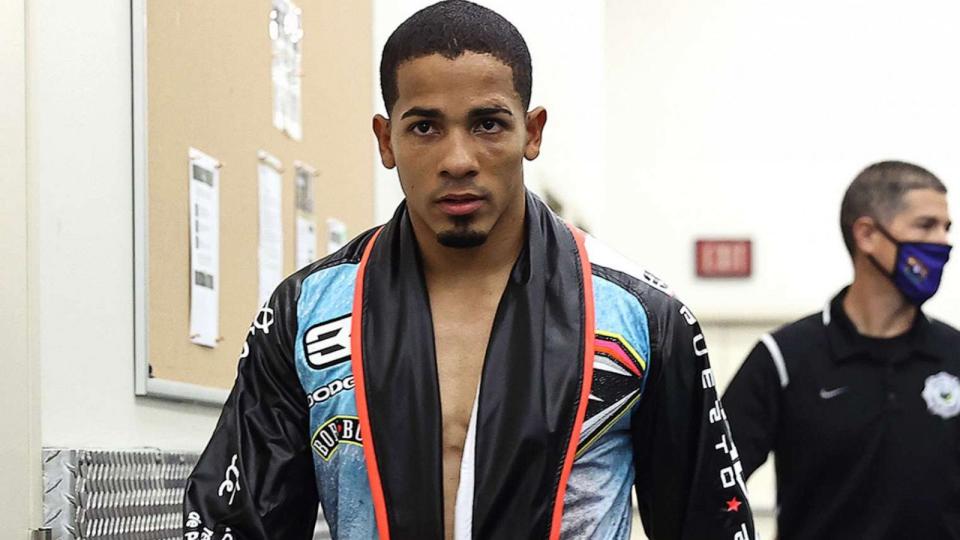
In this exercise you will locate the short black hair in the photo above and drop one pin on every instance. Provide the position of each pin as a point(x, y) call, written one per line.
point(878, 192)
point(451, 28)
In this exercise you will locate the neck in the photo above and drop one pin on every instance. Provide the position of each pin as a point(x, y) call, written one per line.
point(495, 257)
point(875, 306)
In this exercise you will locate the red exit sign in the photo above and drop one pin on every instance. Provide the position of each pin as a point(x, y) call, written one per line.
point(724, 258)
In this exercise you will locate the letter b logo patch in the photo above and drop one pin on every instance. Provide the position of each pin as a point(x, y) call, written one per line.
point(328, 343)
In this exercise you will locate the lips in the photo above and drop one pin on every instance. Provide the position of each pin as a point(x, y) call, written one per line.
point(460, 204)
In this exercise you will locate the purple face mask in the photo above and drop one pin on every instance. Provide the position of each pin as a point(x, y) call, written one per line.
point(917, 269)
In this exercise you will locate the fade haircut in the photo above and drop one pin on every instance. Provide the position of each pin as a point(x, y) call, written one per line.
point(451, 28)
point(878, 192)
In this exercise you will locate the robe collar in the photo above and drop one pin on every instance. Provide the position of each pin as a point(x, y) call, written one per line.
point(533, 393)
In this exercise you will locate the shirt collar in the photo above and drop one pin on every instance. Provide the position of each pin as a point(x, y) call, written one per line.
point(846, 342)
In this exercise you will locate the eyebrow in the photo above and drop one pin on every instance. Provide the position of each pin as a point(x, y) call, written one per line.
point(420, 111)
point(474, 113)
point(933, 219)
point(487, 111)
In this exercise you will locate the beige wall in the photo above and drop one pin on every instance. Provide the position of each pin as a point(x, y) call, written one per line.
point(81, 222)
point(225, 44)
point(19, 423)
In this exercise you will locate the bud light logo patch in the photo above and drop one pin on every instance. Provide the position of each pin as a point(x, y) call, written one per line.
point(334, 432)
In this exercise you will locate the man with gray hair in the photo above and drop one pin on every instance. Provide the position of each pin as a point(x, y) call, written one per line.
point(860, 402)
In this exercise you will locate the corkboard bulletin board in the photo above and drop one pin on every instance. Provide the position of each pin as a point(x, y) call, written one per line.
point(202, 79)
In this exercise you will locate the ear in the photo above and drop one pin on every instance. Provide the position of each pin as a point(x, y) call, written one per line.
point(865, 235)
point(381, 128)
point(536, 119)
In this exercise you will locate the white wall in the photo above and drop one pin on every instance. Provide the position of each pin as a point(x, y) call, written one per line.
point(19, 383)
point(566, 43)
point(79, 151)
point(750, 118)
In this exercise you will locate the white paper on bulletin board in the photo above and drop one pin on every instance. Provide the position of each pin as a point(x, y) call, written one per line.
point(286, 36)
point(306, 237)
point(336, 235)
point(204, 178)
point(270, 249)
point(306, 241)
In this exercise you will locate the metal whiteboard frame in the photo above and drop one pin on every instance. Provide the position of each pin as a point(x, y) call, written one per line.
point(144, 385)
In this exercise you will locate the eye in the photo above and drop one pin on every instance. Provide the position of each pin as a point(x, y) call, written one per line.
point(422, 128)
point(489, 125)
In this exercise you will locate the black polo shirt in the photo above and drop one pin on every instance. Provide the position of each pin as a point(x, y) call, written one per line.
point(866, 432)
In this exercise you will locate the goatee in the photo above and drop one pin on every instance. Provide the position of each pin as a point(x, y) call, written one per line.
point(461, 236)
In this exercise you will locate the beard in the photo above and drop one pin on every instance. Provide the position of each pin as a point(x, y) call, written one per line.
point(461, 236)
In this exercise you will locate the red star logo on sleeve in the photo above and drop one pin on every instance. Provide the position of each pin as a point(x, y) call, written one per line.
point(733, 505)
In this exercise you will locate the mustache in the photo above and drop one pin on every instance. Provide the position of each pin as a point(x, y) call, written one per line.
point(451, 187)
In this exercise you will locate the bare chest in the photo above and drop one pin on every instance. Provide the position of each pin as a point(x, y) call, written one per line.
point(462, 321)
point(461, 332)
point(461, 344)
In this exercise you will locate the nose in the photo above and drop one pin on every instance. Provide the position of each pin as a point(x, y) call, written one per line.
point(943, 236)
point(459, 158)
point(940, 234)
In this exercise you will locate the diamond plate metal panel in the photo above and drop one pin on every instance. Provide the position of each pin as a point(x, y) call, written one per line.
point(118, 495)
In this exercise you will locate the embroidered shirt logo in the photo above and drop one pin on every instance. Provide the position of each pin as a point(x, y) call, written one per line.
point(328, 343)
point(656, 283)
point(194, 529)
point(231, 482)
point(830, 394)
point(193, 521)
point(263, 321)
point(942, 394)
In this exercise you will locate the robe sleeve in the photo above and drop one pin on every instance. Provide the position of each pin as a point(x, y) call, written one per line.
point(689, 479)
point(255, 480)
